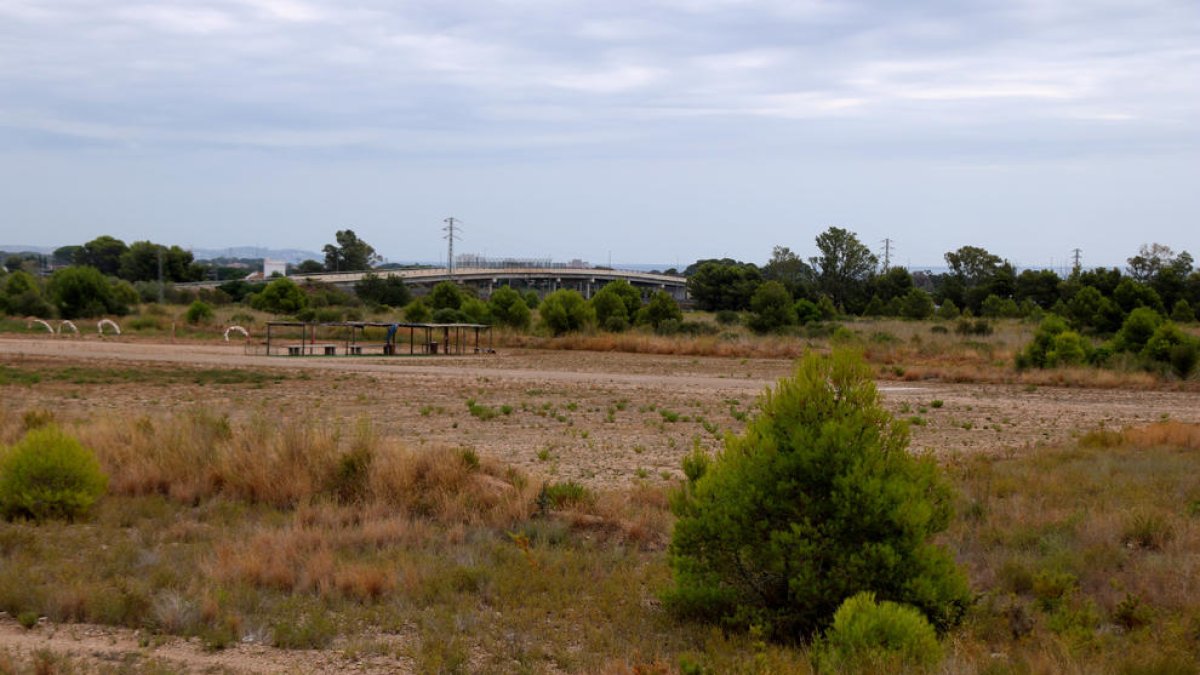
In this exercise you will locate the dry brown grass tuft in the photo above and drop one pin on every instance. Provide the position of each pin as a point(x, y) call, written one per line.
point(200, 455)
point(1168, 434)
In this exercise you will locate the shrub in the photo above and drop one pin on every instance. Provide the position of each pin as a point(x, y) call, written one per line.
point(83, 292)
point(476, 311)
point(728, 317)
point(417, 312)
point(199, 312)
point(869, 636)
point(1182, 312)
point(821, 480)
point(564, 311)
point(807, 312)
point(661, 309)
point(771, 308)
point(445, 295)
point(1171, 346)
point(281, 296)
point(49, 474)
point(509, 309)
point(610, 309)
point(916, 304)
point(948, 310)
point(1137, 330)
point(531, 298)
point(390, 291)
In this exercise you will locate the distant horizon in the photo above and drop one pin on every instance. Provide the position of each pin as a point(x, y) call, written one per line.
point(1061, 269)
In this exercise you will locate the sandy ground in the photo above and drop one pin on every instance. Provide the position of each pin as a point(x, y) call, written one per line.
point(600, 418)
point(105, 647)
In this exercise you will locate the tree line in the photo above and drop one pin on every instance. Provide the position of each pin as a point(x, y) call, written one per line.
point(846, 278)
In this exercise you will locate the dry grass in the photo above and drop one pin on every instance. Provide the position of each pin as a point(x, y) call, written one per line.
point(1087, 551)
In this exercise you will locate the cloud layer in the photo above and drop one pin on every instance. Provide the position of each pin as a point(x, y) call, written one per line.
point(519, 94)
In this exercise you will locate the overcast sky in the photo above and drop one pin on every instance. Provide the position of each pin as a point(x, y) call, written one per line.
point(649, 131)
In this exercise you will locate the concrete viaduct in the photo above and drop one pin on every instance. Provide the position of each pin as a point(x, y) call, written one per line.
point(541, 279)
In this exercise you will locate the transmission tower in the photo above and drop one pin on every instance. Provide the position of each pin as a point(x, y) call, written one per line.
point(452, 232)
point(1076, 255)
point(887, 254)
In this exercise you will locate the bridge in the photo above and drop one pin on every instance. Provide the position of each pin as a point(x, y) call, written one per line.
point(541, 279)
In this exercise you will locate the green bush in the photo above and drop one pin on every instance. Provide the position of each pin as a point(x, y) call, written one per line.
point(948, 310)
point(661, 309)
point(49, 474)
point(564, 311)
point(728, 317)
point(916, 304)
point(445, 295)
point(417, 312)
point(820, 481)
point(771, 308)
point(281, 296)
point(1137, 330)
point(199, 312)
point(1182, 312)
point(509, 309)
point(83, 292)
point(869, 636)
point(610, 309)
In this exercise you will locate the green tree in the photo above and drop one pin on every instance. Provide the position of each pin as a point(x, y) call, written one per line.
point(843, 266)
point(1182, 312)
point(22, 296)
point(948, 310)
point(390, 291)
point(140, 262)
point(281, 296)
point(349, 254)
point(1039, 286)
point(916, 304)
point(310, 267)
point(771, 308)
point(723, 284)
point(611, 313)
point(564, 311)
point(1130, 294)
point(790, 270)
point(445, 295)
point(82, 292)
point(661, 309)
point(417, 312)
point(103, 253)
point(817, 501)
point(65, 255)
point(509, 309)
point(894, 283)
point(1137, 330)
point(532, 299)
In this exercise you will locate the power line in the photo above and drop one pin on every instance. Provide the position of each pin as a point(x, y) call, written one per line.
point(887, 254)
point(451, 234)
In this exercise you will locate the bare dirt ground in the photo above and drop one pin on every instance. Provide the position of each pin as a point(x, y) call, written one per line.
point(599, 418)
point(105, 648)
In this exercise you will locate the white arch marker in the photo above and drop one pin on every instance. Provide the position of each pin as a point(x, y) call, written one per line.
point(30, 323)
point(239, 329)
point(68, 324)
point(109, 322)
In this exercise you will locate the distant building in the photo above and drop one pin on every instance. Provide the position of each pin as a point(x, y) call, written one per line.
point(272, 267)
